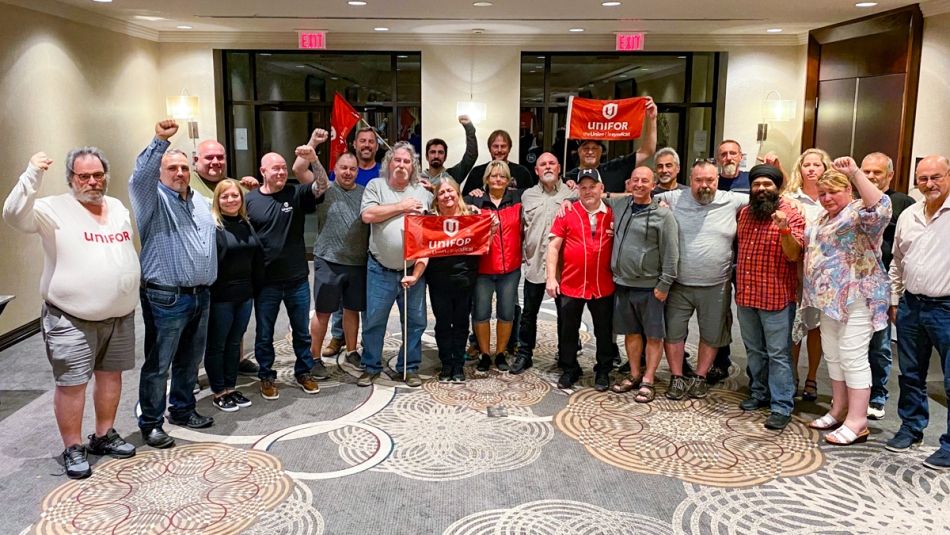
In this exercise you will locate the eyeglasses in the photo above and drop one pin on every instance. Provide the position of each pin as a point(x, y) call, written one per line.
point(98, 176)
point(924, 178)
point(698, 161)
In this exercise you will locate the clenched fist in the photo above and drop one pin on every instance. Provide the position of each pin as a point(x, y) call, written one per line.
point(250, 182)
point(166, 128)
point(318, 136)
point(306, 152)
point(464, 120)
point(41, 161)
point(846, 165)
point(780, 219)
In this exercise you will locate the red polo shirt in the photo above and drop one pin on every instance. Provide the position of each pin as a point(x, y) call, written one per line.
point(765, 278)
point(586, 251)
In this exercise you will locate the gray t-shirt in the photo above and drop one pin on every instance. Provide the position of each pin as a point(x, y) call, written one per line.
point(706, 233)
point(385, 239)
point(343, 237)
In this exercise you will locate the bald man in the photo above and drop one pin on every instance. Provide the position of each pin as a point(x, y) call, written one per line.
point(277, 212)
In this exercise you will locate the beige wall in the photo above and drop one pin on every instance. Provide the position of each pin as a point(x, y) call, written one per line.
point(64, 85)
point(932, 124)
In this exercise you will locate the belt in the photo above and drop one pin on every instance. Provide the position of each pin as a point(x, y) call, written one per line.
point(928, 299)
point(185, 290)
point(382, 266)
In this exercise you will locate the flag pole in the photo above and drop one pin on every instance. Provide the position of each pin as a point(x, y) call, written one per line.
point(567, 134)
point(381, 138)
point(405, 321)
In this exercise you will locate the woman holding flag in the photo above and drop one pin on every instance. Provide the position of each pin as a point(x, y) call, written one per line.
point(451, 281)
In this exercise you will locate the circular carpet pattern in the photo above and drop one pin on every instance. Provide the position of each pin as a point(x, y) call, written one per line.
point(557, 517)
point(706, 441)
point(199, 488)
point(861, 489)
point(438, 442)
point(295, 516)
point(483, 390)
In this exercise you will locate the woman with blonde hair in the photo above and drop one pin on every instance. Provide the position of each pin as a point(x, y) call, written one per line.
point(451, 282)
point(239, 257)
point(845, 280)
point(802, 187)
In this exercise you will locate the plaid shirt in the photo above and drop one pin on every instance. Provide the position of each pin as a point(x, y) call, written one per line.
point(765, 278)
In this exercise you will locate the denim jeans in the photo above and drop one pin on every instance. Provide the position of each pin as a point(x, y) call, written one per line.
point(336, 323)
point(506, 288)
point(767, 336)
point(922, 325)
point(181, 325)
point(528, 332)
point(296, 298)
point(879, 356)
point(383, 289)
point(227, 322)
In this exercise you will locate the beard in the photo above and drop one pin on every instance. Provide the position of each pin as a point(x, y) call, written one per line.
point(96, 197)
point(705, 195)
point(665, 178)
point(763, 205)
point(730, 169)
point(436, 163)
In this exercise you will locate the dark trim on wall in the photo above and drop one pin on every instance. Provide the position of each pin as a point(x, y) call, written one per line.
point(15, 336)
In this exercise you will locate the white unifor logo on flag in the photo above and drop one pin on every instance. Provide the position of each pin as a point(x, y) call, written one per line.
point(610, 110)
point(450, 227)
point(332, 133)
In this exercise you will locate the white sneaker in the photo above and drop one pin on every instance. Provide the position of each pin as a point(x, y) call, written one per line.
point(876, 411)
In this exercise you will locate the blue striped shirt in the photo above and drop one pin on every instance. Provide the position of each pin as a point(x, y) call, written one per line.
point(178, 243)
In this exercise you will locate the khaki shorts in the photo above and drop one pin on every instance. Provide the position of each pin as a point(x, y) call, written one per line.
point(76, 347)
point(713, 307)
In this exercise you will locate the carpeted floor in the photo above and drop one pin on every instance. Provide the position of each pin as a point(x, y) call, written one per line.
point(500, 454)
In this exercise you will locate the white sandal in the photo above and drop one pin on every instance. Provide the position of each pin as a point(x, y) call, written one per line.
point(825, 423)
point(844, 436)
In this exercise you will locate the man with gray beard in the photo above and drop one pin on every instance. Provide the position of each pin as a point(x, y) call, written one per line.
point(707, 228)
point(770, 235)
point(90, 287)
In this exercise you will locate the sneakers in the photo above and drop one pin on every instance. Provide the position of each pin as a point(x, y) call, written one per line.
point(269, 389)
point(446, 374)
point(110, 444)
point(501, 362)
point(875, 411)
point(902, 441)
point(715, 375)
point(699, 389)
point(367, 379)
point(938, 460)
point(238, 398)
point(248, 368)
point(777, 421)
point(76, 463)
point(224, 403)
point(353, 358)
point(520, 364)
point(484, 363)
point(751, 404)
point(333, 348)
point(679, 386)
point(413, 379)
point(319, 371)
point(308, 383)
point(602, 381)
point(458, 374)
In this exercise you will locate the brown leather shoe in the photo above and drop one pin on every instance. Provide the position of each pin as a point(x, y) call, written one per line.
point(308, 383)
point(269, 389)
point(333, 348)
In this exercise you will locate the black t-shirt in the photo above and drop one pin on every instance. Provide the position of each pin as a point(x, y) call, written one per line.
point(899, 202)
point(240, 259)
point(278, 219)
point(521, 178)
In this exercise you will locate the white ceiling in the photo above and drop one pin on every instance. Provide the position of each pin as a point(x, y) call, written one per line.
point(505, 17)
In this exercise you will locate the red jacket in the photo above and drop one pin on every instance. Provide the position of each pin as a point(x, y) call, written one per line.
point(586, 273)
point(504, 255)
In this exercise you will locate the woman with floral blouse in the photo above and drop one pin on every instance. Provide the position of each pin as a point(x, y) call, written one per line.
point(845, 280)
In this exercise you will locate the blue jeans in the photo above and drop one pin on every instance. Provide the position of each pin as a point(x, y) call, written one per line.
point(181, 325)
point(296, 298)
point(767, 336)
point(922, 325)
point(383, 289)
point(336, 323)
point(506, 288)
point(879, 355)
point(227, 322)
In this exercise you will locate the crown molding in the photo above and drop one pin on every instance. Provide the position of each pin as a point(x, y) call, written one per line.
point(85, 16)
point(935, 7)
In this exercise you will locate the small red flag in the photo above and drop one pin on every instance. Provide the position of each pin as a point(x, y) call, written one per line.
point(342, 120)
point(605, 119)
point(427, 236)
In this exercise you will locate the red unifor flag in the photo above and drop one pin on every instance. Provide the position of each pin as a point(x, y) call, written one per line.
point(342, 120)
point(428, 236)
point(605, 119)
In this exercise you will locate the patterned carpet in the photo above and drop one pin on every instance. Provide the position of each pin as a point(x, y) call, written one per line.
point(499, 454)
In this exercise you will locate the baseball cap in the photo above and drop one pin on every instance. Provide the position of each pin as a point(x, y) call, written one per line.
point(592, 174)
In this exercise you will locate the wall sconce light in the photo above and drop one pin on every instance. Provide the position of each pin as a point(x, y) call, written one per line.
point(774, 110)
point(185, 108)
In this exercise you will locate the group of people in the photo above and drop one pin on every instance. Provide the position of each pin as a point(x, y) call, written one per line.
point(639, 250)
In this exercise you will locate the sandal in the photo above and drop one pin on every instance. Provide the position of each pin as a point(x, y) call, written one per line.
point(810, 392)
point(625, 385)
point(646, 394)
point(844, 436)
point(825, 423)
